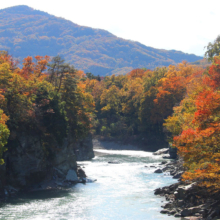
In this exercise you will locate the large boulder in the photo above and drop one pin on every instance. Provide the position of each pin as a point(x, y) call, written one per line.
point(178, 174)
point(72, 176)
point(158, 171)
point(182, 191)
point(81, 173)
point(158, 191)
point(190, 211)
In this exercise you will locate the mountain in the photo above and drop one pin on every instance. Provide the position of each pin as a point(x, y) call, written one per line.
point(202, 63)
point(25, 31)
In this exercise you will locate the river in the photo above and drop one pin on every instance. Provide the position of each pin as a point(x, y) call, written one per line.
point(122, 191)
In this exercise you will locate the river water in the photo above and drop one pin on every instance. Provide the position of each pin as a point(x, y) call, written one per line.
point(122, 191)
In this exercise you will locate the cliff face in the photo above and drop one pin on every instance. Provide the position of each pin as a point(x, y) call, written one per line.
point(27, 163)
point(84, 149)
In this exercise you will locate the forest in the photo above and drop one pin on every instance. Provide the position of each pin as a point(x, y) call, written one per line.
point(179, 104)
point(49, 104)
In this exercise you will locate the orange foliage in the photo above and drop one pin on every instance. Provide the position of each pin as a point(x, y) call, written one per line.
point(137, 73)
point(34, 69)
point(171, 90)
point(199, 144)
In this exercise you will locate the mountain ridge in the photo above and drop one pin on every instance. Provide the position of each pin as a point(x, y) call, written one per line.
point(25, 31)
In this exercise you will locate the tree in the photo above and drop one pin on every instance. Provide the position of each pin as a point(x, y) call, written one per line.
point(213, 49)
point(58, 69)
point(195, 125)
point(4, 134)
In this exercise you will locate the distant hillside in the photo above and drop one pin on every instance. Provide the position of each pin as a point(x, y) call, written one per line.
point(202, 63)
point(25, 31)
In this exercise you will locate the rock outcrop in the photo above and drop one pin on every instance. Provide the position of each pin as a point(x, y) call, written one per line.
point(72, 176)
point(84, 149)
point(161, 151)
point(187, 200)
point(29, 165)
point(167, 153)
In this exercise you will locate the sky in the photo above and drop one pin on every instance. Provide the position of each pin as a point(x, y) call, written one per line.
point(186, 25)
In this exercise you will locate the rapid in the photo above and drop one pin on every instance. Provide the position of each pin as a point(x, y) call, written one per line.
point(124, 190)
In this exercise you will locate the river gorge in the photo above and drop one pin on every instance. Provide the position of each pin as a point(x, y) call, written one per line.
point(124, 190)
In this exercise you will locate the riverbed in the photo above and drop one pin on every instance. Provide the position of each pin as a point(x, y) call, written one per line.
point(124, 190)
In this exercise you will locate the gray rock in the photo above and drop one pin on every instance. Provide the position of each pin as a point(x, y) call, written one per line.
point(213, 214)
point(177, 215)
point(178, 175)
point(168, 206)
point(86, 180)
point(165, 169)
point(91, 180)
point(173, 172)
point(59, 173)
point(197, 214)
point(29, 164)
point(158, 171)
point(158, 191)
point(161, 151)
point(180, 203)
point(71, 176)
point(164, 211)
point(81, 173)
point(66, 158)
point(183, 190)
point(59, 183)
point(190, 211)
point(166, 156)
point(114, 162)
point(172, 212)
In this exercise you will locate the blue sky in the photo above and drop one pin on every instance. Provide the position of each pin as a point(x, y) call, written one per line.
point(186, 25)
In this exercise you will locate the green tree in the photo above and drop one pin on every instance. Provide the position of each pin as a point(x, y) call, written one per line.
point(213, 49)
point(4, 134)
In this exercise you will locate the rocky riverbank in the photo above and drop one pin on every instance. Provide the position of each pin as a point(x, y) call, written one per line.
point(187, 199)
point(27, 166)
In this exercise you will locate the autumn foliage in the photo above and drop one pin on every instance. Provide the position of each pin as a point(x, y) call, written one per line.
point(185, 99)
point(42, 98)
point(53, 100)
point(198, 122)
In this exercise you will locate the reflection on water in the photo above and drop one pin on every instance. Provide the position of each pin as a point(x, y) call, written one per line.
point(122, 191)
point(36, 195)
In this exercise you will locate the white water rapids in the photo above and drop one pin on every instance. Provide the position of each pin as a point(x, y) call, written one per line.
point(122, 191)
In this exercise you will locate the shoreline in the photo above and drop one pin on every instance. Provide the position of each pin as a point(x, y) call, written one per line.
point(182, 198)
point(187, 200)
point(51, 184)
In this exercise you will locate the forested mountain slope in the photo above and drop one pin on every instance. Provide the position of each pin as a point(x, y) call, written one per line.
point(25, 31)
